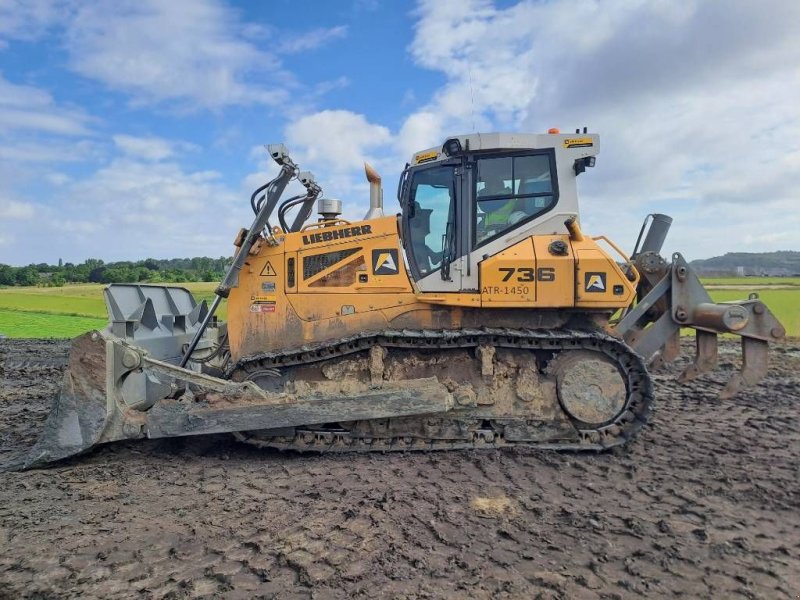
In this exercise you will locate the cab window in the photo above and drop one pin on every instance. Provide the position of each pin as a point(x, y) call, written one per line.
point(431, 207)
point(509, 191)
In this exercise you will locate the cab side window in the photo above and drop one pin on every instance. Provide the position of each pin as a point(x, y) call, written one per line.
point(431, 208)
point(511, 190)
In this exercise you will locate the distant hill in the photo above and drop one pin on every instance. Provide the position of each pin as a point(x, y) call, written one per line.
point(785, 263)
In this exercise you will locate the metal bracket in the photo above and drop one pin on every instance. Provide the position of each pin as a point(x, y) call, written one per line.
point(679, 300)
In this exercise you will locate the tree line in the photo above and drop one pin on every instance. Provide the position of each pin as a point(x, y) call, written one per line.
point(174, 270)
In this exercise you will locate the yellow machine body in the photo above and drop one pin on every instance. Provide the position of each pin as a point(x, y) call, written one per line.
point(329, 281)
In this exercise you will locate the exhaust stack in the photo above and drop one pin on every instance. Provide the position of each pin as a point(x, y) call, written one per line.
point(656, 234)
point(375, 193)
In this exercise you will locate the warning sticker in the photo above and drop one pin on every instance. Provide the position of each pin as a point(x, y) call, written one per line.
point(262, 308)
point(579, 142)
point(268, 286)
point(426, 156)
point(268, 270)
point(262, 304)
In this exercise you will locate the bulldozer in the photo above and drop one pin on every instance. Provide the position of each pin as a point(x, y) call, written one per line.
point(480, 316)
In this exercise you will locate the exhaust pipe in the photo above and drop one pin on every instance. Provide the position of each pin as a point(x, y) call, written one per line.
point(375, 193)
point(656, 234)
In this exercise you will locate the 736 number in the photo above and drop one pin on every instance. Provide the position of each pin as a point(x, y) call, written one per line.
point(526, 274)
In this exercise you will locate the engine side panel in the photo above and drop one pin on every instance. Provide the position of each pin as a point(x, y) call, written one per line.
point(326, 283)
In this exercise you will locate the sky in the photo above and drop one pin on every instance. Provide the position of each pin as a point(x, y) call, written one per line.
point(135, 128)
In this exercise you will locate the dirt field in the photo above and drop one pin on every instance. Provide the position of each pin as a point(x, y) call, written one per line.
point(706, 503)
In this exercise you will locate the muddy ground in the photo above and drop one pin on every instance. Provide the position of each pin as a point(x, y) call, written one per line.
point(706, 503)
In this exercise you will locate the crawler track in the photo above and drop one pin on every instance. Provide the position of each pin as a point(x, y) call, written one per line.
point(482, 433)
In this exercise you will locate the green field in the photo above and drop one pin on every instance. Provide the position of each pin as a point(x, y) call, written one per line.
point(74, 309)
point(40, 312)
point(19, 324)
point(759, 282)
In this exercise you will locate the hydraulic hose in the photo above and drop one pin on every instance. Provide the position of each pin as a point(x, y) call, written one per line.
point(256, 193)
point(286, 206)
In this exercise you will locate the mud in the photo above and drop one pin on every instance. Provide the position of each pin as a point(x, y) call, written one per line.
point(706, 503)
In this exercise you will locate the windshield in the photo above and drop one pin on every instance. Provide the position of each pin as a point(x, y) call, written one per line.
point(430, 208)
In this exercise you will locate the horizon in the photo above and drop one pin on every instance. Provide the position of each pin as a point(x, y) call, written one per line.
point(136, 128)
point(173, 258)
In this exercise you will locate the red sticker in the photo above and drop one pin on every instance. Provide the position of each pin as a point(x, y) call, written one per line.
point(262, 308)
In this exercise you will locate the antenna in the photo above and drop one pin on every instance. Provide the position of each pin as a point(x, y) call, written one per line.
point(471, 95)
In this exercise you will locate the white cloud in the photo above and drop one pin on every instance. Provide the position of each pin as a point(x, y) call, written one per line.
point(190, 53)
point(141, 187)
point(133, 208)
point(186, 54)
point(338, 139)
point(36, 132)
point(311, 40)
point(11, 118)
point(22, 95)
point(52, 150)
point(324, 87)
point(150, 148)
point(12, 209)
point(421, 130)
point(27, 19)
point(27, 108)
point(57, 179)
point(695, 102)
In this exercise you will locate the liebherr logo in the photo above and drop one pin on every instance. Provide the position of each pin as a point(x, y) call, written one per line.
point(329, 235)
point(384, 262)
point(595, 282)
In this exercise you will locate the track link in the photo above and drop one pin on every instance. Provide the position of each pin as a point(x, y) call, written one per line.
point(636, 413)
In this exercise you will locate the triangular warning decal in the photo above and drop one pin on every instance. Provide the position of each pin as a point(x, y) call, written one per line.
point(268, 271)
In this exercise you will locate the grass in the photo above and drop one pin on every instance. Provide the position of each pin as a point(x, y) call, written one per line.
point(74, 309)
point(759, 282)
point(73, 306)
point(66, 312)
point(18, 324)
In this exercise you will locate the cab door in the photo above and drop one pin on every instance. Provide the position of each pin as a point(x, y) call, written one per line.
point(431, 237)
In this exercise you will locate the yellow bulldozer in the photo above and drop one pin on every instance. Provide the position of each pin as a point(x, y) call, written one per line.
point(480, 316)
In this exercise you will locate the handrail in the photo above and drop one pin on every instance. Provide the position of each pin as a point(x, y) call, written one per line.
point(628, 262)
point(322, 224)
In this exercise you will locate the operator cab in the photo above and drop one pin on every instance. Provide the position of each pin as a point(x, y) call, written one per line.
point(478, 193)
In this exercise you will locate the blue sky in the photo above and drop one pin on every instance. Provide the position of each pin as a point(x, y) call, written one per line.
point(134, 128)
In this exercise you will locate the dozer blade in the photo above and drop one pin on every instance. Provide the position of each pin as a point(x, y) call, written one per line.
point(679, 300)
point(114, 391)
point(78, 413)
